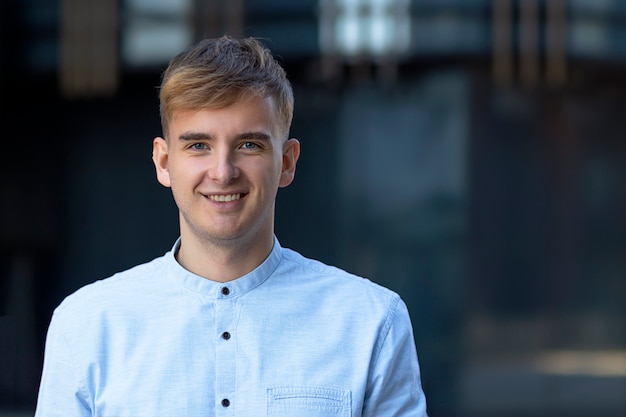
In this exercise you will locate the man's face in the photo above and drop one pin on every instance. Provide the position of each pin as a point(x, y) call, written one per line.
point(224, 167)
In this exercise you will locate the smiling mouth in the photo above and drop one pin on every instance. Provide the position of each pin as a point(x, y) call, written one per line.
point(224, 198)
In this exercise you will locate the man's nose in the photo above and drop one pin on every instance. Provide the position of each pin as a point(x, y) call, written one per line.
point(223, 169)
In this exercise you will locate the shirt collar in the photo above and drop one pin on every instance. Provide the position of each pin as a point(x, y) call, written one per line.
point(222, 290)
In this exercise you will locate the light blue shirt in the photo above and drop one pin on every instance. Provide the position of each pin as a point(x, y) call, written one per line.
point(293, 338)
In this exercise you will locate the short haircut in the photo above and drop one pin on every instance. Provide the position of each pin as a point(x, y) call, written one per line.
point(219, 72)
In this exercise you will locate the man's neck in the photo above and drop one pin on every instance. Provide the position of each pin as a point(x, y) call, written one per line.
point(221, 262)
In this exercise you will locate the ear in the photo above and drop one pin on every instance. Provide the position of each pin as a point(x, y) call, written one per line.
point(291, 153)
point(160, 159)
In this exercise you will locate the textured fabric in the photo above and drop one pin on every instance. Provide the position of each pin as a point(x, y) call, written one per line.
point(293, 338)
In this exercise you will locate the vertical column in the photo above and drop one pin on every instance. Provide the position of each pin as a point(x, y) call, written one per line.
point(330, 65)
point(556, 48)
point(233, 15)
point(502, 64)
point(529, 43)
point(72, 34)
point(219, 17)
point(104, 56)
point(89, 58)
point(208, 12)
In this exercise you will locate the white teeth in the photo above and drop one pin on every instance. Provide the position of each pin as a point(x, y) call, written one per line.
point(225, 198)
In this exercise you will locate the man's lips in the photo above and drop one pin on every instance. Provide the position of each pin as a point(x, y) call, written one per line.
point(224, 198)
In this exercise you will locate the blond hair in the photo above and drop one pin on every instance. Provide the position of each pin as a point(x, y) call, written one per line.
point(218, 72)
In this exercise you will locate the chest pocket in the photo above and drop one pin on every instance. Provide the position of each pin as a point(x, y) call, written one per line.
point(308, 402)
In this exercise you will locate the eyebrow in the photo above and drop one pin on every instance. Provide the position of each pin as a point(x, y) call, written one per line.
point(191, 136)
point(254, 135)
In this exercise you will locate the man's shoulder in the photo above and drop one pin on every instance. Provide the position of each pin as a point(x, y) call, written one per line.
point(114, 287)
point(334, 277)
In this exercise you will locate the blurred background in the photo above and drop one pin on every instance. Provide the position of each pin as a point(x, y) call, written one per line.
point(468, 154)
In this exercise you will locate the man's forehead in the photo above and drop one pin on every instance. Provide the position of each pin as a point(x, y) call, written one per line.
point(254, 114)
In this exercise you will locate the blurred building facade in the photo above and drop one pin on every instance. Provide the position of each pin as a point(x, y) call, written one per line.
point(467, 153)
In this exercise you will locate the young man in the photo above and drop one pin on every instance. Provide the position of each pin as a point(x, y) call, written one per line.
point(229, 323)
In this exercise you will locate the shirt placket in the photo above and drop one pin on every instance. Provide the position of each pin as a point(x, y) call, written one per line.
point(225, 353)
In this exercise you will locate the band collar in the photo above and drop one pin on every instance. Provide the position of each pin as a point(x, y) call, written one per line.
point(229, 289)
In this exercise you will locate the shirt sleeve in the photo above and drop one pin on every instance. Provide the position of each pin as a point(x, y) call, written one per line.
point(394, 386)
point(59, 391)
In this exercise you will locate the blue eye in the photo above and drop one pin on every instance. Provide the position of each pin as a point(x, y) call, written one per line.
point(198, 146)
point(249, 145)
